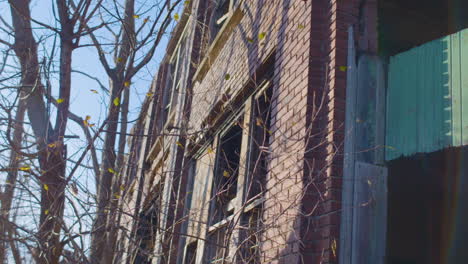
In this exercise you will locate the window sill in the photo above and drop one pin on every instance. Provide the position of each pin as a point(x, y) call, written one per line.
point(220, 224)
point(218, 44)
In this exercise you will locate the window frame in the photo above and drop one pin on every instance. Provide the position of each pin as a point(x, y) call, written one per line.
point(174, 76)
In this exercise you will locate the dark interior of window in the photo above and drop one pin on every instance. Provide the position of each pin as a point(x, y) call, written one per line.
point(221, 8)
point(259, 145)
point(250, 247)
point(227, 171)
point(168, 91)
point(146, 234)
point(216, 246)
point(427, 209)
point(191, 253)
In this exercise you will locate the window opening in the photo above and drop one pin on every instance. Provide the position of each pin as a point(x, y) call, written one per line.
point(146, 232)
point(226, 171)
point(191, 253)
point(259, 145)
point(216, 246)
point(221, 12)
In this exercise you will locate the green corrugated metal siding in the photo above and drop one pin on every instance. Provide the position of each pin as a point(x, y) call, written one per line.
point(427, 97)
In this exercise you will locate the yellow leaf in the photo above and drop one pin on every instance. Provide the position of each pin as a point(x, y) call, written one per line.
point(116, 101)
point(136, 16)
point(60, 100)
point(179, 144)
point(25, 169)
point(259, 121)
point(117, 196)
point(176, 17)
point(51, 145)
point(94, 91)
point(210, 151)
point(46, 187)
point(111, 170)
point(91, 125)
point(85, 121)
point(122, 187)
point(300, 26)
point(343, 68)
point(333, 247)
point(46, 212)
point(149, 94)
point(261, 36)
point(186, 2)
point(250, 40)
point(227, 76)
point(127, 84)
point(119, 59)
point(226, 174)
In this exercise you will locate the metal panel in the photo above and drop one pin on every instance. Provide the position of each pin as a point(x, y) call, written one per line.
point(427, 97)
point(370, 214)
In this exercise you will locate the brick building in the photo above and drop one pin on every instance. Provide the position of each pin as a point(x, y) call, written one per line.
point(264, 135)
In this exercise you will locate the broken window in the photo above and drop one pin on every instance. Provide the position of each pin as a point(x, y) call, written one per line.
point(217, 245)
point(174, 80)
point(221, 12)
point(226, 172)
point(146, 234)
point(250, 238)
point(191, 253)
point(259, 145)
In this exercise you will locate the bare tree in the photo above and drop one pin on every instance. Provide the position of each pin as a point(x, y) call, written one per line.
point(76, 24)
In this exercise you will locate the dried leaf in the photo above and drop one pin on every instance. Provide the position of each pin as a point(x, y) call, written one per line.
point(210, 150)
point(261, 36)
point(259, 121)
point(116, 101)
point(333, 247)
point(85, 121)
point(179, 144)
point(146, 20)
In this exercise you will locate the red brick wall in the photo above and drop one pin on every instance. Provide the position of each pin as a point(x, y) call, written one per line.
point(309, 40)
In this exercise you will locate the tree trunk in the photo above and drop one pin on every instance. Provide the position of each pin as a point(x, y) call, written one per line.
point(108, 170)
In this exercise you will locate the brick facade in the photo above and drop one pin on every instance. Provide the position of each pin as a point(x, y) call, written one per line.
point(300, 48)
